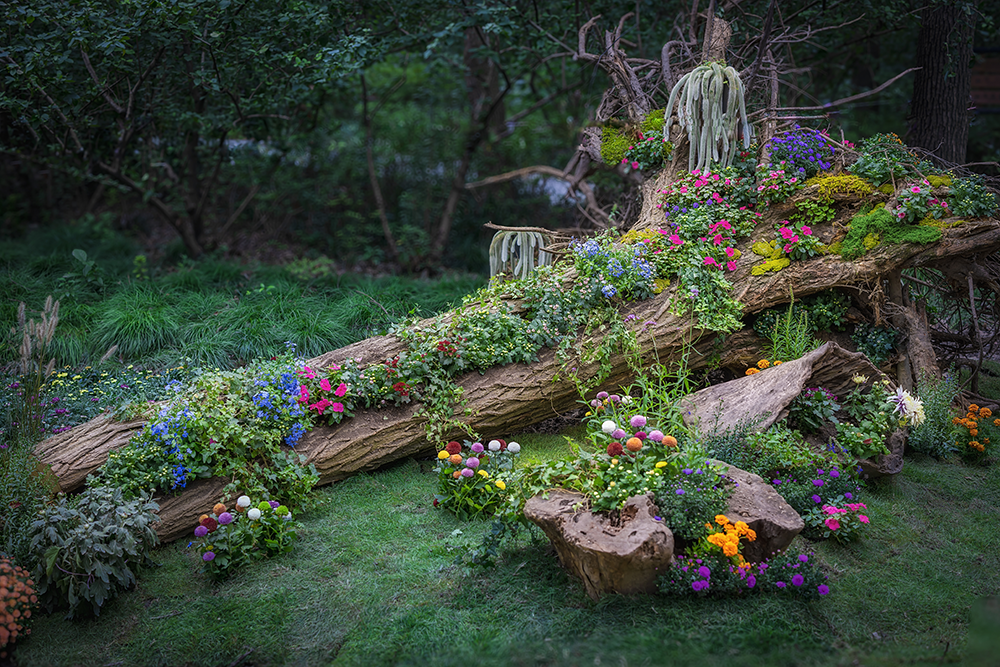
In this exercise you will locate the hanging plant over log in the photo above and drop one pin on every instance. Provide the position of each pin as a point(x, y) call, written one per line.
point(711, 109)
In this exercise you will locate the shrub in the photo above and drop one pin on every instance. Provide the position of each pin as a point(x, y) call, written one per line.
point(841, 520)
point(17, 599)
point(229, 538)
point(876, 343)
point(971, 199)
point(87, 548)
point(936, 435)
point(884, 157)
point(813, 408)
point(786, 574)
point(24, 487)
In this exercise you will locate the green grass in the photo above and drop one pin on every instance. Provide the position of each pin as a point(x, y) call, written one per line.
point(374, 580)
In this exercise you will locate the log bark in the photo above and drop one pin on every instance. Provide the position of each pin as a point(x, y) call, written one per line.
point(507, 399)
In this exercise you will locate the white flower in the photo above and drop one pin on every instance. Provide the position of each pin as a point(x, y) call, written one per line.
point(243, 501)
point(513, 447)
point(494, 445)
point(914, 410)
point(608, 427)
point(626, 399)
point(288, 517)
point(253, 514)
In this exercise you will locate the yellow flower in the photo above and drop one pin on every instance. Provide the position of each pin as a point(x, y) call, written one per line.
point(614, 462)
point(777, 363)
point(588, 413)
point(661, 464)
point(610, 484)
point(763, 363)
point(443, 454)
point(752, 371)
point(501, 485)
point(484, 473)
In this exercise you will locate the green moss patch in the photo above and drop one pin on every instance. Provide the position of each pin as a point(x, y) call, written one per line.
point(880, 226)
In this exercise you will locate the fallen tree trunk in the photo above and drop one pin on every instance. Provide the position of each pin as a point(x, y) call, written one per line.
point(505, 400)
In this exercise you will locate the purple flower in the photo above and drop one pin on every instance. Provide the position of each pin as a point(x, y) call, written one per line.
point(780, 584)
point(467, 472)
point(803, 558)
point(817, 499)
point(823, 589)
point(751, 581)
point(208, 556)
point(274, 504)
point(817, 482)
point(656, 436)
point(848, 495)
point(703, 571)
point(835, 473)
point(776, 482)
point(618, 434)
point(472, 462)
point(614, 397)
point(200, 531)
point(602, 395)
point(798, 580)
point(699, 585)
point(819, 471)
point(680, 492)
point(687, 471)
point(477, 447)
point(637, 421)
point(225, 518)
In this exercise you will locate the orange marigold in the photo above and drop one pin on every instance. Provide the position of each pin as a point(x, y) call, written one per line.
point(752, 371)
point(985, 412)
point(777, 363)
point(973, 408)
point(974, 431)
point(763, 363)
point(721, 519)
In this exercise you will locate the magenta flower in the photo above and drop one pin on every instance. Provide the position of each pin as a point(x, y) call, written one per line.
point(710, 261)
point(676, 240)
point(798, 580)
point(602, 395)
point(341, 390)
point(637, 421)
point(303, 394)
point(786, 233)
point(731, 265)
point(780, 584)
point(320, 405)
point(324, 384)
point(208, 556)
point(805, 230)
point(862, 518)
point(337, 407)
point(832, 523)
point(730, 252)
point(618, 434)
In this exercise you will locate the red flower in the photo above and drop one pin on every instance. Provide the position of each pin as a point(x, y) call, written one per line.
point(615, 449)
point(209, 523)
point(453, 447)
point(401, 388)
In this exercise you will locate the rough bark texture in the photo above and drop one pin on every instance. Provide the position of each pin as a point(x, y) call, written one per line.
point(620, 552)
point(767, 395)
point(939, 109)
point(508, 399)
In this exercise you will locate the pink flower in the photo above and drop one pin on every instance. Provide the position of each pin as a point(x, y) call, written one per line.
point(915, 188)
point(731, 265)
point(786, 233)
point(710, 261)
point(320, 405)
point(862, 518)
point(675, 239)
point(944, 204)
point(635, 165)
point(717, 239)
point(832, 523)
point(730, 252)
point(725, 224)
point(716, 196)
point(308, 372)
point(806, 230)
point(787, 249)
point(683, 190)
point(341, 390)
point(303, 394)
point(337, 407)
point(324, 384)
point(715, 177)
point(794, 239)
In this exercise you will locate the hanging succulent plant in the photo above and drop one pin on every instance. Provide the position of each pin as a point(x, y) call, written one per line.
point(710, 108)
point(515, 251)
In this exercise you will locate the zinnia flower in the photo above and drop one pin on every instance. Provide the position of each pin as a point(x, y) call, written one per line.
point(443, 454)
point(494, 445)
point(454, 448)
point(477, 447)
point(656, 436)
point(472, 462)
point(200, 531)
point(208, 556)
point(637, 421)
point(243, 501)
point(798, 580)
point(467, 472)
point(615, 449)
point(501, 485)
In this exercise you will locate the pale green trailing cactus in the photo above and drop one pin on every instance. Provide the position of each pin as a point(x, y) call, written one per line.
point(711, 130)
point(516, 252)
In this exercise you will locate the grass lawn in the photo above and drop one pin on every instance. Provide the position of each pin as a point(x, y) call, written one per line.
point(376, 578)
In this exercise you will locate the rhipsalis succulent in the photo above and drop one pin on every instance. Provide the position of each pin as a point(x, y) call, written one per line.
point(516, 251)
point(710, 108)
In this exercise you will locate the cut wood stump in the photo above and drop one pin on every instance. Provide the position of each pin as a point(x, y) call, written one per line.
point(611, 552)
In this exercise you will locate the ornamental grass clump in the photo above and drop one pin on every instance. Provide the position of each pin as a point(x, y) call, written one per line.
point(17, 601)
point(475, 480)
point(230, 538)
point(936, 436)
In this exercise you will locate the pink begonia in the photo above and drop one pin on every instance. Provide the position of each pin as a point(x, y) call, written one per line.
point(337, 407)
point(730, 252)
point(675, 239)
point(731, 265)
point(303, 394)
point(806, 230)
point(862, 518)
point(341, 390)
point(832, 523)
point(320, 405)
point(324, 384)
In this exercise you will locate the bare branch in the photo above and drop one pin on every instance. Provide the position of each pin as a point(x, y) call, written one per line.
point(105, 91)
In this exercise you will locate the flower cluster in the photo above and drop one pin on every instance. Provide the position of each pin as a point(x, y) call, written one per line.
point(762, 364)
point(228, 539)
point(802, 150)
point(17, 599)
point(840, 520)
point(691, 191)
point(648, 154)
point(614, 270)
point(473, 478)
point(317, 394)
point(775, 185)
point(688, 496)
point(977, 427)
point(784, 574)
point(727, 538)
point(797, 241)
point(917, 202)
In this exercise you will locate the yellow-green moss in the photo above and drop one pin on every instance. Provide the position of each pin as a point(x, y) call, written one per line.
point(770, 265)
point(653, 123)
point(767, 249)
point(832, 249)
point(637, 235)
point(615, 141)
point(843, 184)
point(937, 181)
point(868, 229)
point(886, 188)
point(660, 284)
point(871, 240)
